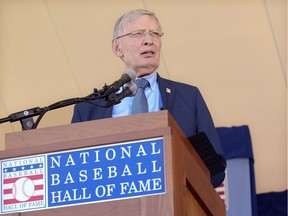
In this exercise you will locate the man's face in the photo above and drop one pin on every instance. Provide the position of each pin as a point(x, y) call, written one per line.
point(140, 53)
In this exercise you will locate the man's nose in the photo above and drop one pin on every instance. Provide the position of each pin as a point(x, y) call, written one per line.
point(147, 39)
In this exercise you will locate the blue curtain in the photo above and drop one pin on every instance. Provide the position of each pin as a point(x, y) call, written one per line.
point(237, 144)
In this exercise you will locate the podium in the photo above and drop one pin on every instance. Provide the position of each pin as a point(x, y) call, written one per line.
point(187, 190)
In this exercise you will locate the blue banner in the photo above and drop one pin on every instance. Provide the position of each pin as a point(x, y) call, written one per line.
point(88, 175)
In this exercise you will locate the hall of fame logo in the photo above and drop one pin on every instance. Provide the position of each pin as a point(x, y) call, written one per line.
point(81, 176)
point(22, 184)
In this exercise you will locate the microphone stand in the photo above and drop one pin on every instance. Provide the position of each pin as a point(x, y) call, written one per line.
point(25, 116)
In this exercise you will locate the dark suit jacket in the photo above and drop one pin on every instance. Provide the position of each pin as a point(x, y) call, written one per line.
point(186, 105)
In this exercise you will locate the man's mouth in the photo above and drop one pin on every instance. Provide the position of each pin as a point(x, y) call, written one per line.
point(147, 53)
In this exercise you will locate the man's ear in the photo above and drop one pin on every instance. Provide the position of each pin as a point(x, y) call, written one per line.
point(116, 48)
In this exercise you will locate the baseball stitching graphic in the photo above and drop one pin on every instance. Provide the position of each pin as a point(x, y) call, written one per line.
point(23, 189)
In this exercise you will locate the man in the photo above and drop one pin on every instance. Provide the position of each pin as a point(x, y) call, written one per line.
point(137, 42)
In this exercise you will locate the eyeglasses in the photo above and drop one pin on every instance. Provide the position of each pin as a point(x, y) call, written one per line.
point(154, 33)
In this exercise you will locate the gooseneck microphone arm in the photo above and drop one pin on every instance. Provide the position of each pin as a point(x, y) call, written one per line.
point(26, 116)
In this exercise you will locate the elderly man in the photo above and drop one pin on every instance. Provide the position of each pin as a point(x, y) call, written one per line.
point(137, 42)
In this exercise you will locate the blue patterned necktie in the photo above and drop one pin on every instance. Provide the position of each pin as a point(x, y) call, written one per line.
point(140, 104)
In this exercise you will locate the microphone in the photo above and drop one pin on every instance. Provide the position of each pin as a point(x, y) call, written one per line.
point(127, 76)
point(130, 89)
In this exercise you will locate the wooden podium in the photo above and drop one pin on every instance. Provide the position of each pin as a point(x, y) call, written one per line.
point(188, 187)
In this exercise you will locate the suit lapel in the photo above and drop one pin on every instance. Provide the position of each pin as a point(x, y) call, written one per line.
point(102, 113)
point(167, 92)
point(107, 112)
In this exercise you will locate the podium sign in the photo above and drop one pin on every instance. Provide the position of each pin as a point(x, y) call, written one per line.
point(86, 175)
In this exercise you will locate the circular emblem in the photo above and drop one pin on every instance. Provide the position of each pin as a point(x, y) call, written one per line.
point(23, 189)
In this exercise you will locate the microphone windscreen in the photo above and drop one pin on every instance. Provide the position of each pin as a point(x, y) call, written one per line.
point(132, 86)
point(131, 73)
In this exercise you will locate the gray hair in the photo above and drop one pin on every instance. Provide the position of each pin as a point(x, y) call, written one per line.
point(130, 16)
